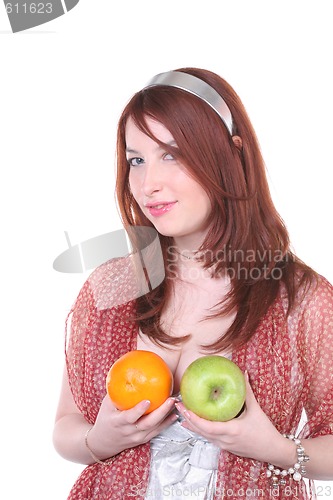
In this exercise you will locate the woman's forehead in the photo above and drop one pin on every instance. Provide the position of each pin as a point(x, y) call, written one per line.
point(134, 133)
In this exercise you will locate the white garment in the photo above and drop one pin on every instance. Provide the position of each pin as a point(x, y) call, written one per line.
point(183, 465)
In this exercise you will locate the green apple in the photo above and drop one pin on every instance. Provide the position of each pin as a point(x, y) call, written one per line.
point(213, 387)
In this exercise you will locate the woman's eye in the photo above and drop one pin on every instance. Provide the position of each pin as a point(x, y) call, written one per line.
point(168, 156)
point(135, 162)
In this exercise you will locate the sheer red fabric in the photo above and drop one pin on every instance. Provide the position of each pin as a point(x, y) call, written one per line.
point(289, 361)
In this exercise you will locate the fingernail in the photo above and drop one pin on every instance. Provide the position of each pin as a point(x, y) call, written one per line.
point(146, 403)
point(183, 411)
point(187, 415)
point(172, 400)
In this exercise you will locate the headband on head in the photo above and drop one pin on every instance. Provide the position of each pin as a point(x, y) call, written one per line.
point(198, 87)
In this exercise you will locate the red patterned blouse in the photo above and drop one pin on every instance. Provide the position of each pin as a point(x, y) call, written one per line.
point(289, 361)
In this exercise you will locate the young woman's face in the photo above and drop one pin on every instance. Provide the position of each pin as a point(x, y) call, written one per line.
point(168, 196)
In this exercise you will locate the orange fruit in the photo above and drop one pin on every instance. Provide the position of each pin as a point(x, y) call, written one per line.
point(139, 375)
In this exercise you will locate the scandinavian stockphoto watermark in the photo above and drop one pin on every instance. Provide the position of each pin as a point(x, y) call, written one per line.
point(25, 14)
point(249, 264)
point(142, 245)
point(132, 259)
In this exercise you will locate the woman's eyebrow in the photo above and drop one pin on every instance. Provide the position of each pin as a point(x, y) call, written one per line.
point(169, 143)
point(129, 150)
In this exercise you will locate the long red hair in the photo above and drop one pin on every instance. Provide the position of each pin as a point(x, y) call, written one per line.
point(247, 235)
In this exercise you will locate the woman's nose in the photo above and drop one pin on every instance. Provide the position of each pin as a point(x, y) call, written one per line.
point(152, 181)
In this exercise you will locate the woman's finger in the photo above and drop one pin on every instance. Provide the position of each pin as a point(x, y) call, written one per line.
point(157, 416)
point(132, 415)
point(152, 419)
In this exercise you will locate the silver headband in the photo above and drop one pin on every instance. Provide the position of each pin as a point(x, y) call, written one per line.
point(197, 87)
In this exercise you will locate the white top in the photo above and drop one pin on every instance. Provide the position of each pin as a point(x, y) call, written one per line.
point(183, 465)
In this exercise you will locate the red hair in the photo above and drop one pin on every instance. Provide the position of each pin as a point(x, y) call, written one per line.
point(247, 237)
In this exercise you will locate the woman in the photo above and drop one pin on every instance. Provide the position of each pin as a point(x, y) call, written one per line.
point(189, 166)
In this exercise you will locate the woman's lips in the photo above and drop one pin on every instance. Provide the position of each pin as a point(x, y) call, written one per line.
point(159, 209)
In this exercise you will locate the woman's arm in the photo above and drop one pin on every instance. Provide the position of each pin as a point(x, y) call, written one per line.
point(253, 435)
point(320, 451)
point(113, 431)
point(70, 428)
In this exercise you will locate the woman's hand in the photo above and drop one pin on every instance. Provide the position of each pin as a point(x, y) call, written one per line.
point(114, 430)
point(250, 435)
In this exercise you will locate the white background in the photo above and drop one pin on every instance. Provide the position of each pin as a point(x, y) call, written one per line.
point(62, 88)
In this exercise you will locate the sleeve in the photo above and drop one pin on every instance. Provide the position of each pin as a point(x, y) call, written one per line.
point(79, 323)
point(316, 348)
point(99, 328)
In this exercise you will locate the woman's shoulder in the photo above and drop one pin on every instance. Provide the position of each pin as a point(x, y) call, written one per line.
point(317, 307)
point(110, 284)
point(115, 282)
point(318, 290)
point(107, 294)
point(307, 288)
point(313, 302)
